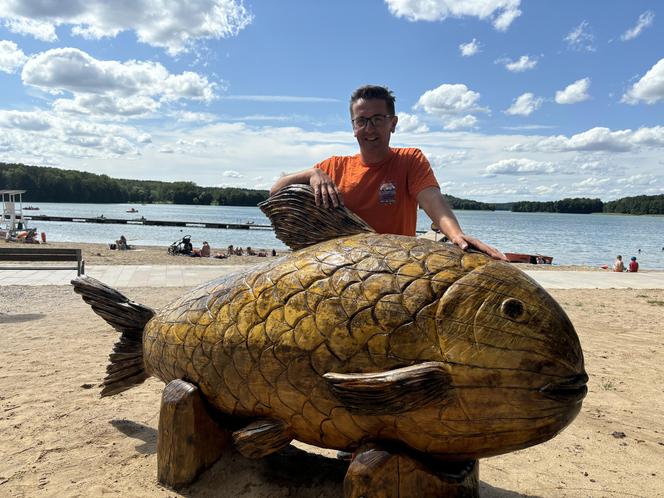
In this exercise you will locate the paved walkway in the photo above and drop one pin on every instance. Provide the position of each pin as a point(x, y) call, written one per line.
point(189, 276)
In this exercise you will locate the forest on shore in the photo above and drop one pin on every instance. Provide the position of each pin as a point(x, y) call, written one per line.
point(47, 184)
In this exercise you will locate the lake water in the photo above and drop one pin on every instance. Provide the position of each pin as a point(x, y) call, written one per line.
point(570, 238)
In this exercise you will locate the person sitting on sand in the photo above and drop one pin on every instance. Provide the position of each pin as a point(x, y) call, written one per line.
point(633, 265)
point(250, 251)
point(618, 264)
point(274, 253)
point(262, 254)
point(230, 251)
point(239, 251)
point(121, 243)
point(205, 250)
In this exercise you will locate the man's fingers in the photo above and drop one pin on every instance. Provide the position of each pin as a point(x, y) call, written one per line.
point(317, 194)
point(325, 195)
point(332, 191)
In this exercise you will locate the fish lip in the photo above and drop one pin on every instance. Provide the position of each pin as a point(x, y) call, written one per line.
point(570, 389)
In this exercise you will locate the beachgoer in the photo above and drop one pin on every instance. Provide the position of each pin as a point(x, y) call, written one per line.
point(274, 253)
point(250, 251)
point(220, 255)
point(121, 243)
point(633, 265)
point(383, 185)
point(205, 250)
point(187, 246)
point(618, 264)
point(231, 250)
point(261, 254)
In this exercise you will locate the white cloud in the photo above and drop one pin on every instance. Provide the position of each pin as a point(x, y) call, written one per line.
point(645, 20)
point(47, 138)
point(523, 63)
point(410, 123)
point(11, 57)
point(467, 121)
point(650, 88)
point(598, 139)
point(111, 88)
point(638, 180)
point(454, 104)
point(28, 121)
point(175, 26)
point(44, 31)
point(231, 174)
point(581, 38)
point(574, 93)
point(525, 105)
point(469, 49)
point(446, 160)
point(520, 167)
point(501, 12)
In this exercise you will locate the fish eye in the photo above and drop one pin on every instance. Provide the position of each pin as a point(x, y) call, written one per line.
point(512, 308)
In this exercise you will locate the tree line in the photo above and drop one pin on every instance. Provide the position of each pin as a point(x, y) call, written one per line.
point(47, 184)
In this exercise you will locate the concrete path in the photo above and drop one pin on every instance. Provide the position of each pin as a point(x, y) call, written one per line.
point(190, 276)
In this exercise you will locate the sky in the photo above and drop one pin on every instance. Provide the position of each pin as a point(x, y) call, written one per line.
point(509, 99)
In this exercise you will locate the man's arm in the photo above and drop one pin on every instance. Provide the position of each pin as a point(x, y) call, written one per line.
point(325, 191)
point(435, 205)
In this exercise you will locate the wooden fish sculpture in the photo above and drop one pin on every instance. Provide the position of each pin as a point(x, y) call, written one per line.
point(361, 337)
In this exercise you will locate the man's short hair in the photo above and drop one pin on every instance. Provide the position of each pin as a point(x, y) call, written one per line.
point(369, 92)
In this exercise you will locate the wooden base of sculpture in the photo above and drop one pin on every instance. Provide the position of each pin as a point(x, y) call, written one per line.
point(189, 440)
point(377, 472)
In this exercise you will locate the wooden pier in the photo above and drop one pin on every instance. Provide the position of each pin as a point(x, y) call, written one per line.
point(146, 222)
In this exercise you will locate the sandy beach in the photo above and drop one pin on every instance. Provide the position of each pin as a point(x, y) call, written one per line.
point(59, 438)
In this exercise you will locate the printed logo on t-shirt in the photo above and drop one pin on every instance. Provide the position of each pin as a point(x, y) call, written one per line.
point(387, 193)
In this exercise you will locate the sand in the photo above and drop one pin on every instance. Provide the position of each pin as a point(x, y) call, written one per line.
point(60, 439)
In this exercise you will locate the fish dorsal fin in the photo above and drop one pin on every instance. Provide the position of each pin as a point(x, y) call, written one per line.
point(299, 223)
point(393, 391)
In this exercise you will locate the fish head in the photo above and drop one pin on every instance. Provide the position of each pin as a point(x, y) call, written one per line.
point(514, 358)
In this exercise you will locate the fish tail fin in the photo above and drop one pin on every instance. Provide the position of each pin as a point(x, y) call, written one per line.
point(126, 368)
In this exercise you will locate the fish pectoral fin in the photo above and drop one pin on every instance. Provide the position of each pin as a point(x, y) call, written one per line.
point(262, 437)
point(393, 391)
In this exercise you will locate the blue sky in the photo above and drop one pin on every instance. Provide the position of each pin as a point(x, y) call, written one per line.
point(509, 99)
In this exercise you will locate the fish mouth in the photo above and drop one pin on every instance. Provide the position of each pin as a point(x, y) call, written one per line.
point(571, 389)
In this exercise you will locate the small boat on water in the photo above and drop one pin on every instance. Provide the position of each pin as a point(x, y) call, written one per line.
point(31, 208)
point(533, 259)
point(132, 210)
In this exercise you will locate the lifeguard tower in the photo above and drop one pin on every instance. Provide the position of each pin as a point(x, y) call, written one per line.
point(12, 213)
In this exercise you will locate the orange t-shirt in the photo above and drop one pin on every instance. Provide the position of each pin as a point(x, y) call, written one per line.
point(383, 194)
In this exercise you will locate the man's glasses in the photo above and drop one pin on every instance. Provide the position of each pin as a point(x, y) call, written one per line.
point(377, 120)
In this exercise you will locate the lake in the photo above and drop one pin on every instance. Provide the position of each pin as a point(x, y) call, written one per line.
point(570, 238)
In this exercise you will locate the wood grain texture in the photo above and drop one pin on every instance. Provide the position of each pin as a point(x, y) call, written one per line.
point(189, 440)
point(258, 344)
point(380, 472)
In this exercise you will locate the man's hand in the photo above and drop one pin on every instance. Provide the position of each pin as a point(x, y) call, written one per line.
point(466, 242)
point(325, 190)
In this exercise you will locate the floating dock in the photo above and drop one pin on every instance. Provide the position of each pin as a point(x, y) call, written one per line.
point(146, 222)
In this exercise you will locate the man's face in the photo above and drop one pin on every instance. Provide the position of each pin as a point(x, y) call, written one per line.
point(373, 140)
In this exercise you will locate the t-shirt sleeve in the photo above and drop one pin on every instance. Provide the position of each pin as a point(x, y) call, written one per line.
point(420, 174)
point(327, 165)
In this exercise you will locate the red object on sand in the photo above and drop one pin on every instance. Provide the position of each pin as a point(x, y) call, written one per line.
point(534, 259)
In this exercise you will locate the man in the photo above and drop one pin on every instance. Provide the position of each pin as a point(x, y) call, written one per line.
point(383, 185)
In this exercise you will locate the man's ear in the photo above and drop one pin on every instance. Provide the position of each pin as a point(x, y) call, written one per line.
point(395, 120)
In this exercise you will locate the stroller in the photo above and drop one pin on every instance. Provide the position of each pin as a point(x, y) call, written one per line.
point(182, 246)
